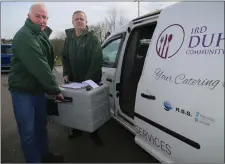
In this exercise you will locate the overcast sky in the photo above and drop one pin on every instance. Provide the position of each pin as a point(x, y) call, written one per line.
point(14, 14)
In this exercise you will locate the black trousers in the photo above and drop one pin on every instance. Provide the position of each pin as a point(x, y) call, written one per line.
point(74, 133)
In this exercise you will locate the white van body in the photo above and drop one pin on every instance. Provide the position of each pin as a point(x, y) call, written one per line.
point(176, 107)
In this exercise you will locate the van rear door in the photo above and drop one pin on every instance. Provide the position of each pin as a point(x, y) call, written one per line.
point(179, 109)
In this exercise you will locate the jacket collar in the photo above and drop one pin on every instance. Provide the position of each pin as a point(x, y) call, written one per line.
point(36, 27)
point(70, 33)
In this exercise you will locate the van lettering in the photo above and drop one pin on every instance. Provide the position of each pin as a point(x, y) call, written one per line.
point(209, 83)
point(140, 131)
point(203, 29)
point(159, 75)
point(136, 128)
point(168, 149)
point(210, 51)
point(194, 82)
point(219, 39)
point(215, 83)
point(157, 142)
point(167, 78)
point(145, 133)
point(185, 81)
point(153, 140)
point(162, 145)
point(150, 138)
point(192, 31)
point(179, 77)
point(204, 38)
point(196, 44)
point(196, 30)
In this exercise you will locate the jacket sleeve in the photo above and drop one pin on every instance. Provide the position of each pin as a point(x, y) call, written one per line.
point(32, 57)
point(96, 59)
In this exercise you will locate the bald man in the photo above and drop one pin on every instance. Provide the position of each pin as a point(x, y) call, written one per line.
point(29, 79)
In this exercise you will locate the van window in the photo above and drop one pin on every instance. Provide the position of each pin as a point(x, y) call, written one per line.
point(110, 51)
point(133, 62)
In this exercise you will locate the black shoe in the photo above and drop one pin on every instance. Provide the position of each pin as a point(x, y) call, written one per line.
point(52, 158)
point(97, 140)
point(75, 133)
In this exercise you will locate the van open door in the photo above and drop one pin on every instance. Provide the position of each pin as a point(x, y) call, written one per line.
point(130, 65)
point(179, 109)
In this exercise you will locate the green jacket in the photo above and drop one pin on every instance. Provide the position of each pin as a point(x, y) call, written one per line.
point(32, 61)
point(82, 56)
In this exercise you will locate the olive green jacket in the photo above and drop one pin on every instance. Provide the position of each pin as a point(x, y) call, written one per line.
point(32, 61)
point(82, 56)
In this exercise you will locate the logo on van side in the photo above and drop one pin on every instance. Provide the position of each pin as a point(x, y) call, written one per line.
point(167, 106)
point(204, 41)
point(170, 41)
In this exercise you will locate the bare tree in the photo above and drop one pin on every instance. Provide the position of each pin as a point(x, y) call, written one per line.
point(112, 21)
point(58, 43)
point(115, 19)
point(60, 35)
point(122, 19)
point(100, 30)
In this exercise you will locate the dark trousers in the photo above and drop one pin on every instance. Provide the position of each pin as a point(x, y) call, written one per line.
point(94, 136)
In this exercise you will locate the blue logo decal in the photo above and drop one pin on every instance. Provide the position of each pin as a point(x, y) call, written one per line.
point(196, 116)
point(167, 106)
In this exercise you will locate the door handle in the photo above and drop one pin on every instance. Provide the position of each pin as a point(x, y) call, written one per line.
point(139, 57)
point(151, 97)
point(117, 94)
point(110, 80)
point(66, 100)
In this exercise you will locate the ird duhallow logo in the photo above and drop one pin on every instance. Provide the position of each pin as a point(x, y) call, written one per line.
point(170, 41)
point(167, 106)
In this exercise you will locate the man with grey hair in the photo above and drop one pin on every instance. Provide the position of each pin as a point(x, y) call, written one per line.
point(29, 79)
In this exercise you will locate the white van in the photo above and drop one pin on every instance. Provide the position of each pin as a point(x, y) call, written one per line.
point(166, 76)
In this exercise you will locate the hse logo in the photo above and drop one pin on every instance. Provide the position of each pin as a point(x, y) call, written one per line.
point(167, 106)
point(170, 41)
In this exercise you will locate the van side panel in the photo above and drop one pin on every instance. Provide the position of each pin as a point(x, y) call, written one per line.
point(179, 109)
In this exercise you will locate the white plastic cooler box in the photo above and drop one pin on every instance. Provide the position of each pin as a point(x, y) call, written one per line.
point(86, 110)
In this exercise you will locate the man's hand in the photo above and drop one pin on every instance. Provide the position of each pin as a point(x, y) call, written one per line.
point(66, 79)
point(59, 97)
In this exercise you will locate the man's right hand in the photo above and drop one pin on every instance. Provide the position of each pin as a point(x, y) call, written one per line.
point(65, 79)
point(59, 97)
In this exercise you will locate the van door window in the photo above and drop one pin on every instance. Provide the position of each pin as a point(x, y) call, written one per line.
point(133, 62)
point(110, 51)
